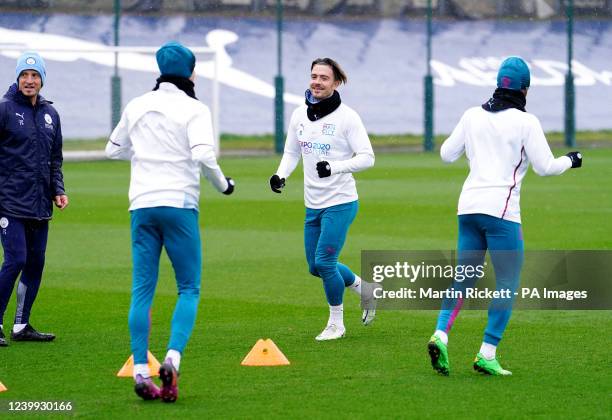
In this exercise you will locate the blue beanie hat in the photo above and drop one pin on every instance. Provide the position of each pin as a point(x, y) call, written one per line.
point(513, 74)
point(173, 59)
point(30, 60)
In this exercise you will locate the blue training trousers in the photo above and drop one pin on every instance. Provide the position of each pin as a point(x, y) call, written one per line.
point(324, 236)
point(24, 242)
point(504, 241)
point(178, 231)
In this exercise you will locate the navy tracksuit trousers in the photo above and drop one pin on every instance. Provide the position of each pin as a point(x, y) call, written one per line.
point(24, 242)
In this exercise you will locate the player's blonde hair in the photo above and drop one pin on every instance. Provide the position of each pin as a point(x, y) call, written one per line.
point(339, 74)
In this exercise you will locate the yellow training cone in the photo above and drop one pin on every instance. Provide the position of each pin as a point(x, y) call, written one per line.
point(127, 371)
point(265, 353)
point(2, 387)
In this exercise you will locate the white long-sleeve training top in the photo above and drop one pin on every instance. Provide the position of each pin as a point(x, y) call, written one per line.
point(499, 147)
point(339, 138)
point(168, 137)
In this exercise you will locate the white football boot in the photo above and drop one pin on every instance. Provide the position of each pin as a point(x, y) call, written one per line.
point(331, 332)
point(368, 302)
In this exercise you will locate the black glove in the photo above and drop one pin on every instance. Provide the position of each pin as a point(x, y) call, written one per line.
point(230, 186)
point(576, 158)
point(324, 169)
point(277, 183)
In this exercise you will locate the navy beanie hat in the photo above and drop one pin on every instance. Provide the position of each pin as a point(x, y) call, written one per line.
point(513, 74)
point(30, 60)
point(174, 59)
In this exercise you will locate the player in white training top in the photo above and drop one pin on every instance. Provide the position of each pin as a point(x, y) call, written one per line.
point(167, 135)
point(333, 143)
point(500, 139)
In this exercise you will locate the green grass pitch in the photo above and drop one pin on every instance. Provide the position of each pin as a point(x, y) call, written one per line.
point(256, 285)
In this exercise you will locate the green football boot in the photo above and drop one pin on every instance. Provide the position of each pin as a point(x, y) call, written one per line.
point(489, 367)
point(439, 355)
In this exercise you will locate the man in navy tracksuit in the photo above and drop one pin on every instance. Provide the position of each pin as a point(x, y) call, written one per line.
point(31, 180)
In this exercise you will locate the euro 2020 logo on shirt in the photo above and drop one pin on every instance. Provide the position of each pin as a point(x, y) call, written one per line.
point(321, 149)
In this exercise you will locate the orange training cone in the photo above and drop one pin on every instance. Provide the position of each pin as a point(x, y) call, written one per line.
point(265, 353)
point(2, 387)
point(127, 371)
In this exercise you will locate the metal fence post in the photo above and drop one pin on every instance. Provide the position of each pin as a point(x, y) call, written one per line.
point(115, 79)
point(428, 141)
point(279, 105)
point(570, 90)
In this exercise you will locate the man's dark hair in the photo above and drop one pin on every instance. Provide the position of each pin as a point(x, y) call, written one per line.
point(339, 74)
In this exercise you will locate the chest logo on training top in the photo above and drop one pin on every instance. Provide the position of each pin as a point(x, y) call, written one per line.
point(21, 117)
point(329, 129)
point(4, 223)
point(48, 122)
point(313, 147)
